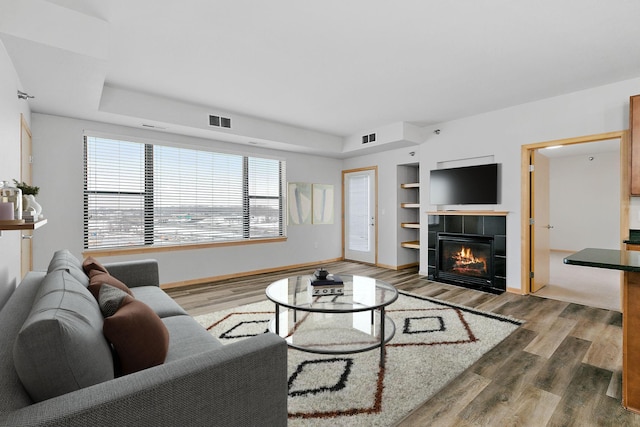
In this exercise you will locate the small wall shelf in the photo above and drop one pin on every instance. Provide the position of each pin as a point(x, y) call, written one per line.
point(409, 205)
point(410, 225)
point(411, 245)
point(25, 226)
point(410, 185)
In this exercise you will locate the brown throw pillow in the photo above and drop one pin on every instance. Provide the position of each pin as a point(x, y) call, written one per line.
point(91, 264)
point(98, 278)
point(138, 336)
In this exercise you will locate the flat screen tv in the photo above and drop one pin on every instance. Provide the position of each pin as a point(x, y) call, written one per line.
point(469, 185)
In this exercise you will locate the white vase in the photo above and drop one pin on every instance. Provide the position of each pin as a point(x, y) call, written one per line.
point(29, 202)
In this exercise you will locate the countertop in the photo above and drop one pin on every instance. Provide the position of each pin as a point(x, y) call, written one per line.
point(634, 237)
point(610, 259)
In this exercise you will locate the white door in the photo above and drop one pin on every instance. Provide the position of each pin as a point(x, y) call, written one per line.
point(360, 227)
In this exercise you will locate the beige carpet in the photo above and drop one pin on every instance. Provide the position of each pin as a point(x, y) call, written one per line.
point(595, 287)
point(434, 343)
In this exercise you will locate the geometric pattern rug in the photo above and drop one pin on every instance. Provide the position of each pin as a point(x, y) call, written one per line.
point(435, 341)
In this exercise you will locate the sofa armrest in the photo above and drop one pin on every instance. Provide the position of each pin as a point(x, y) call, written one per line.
point(240, 384)
point(135, 273)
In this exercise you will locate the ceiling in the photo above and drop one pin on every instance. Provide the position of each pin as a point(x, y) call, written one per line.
point(329, 70)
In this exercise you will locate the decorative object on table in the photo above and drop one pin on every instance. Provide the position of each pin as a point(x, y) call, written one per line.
point(29, 203)
point(435, 342)
point(323, 283)
point(10, 194)
point(321, 273)
point(329, 289)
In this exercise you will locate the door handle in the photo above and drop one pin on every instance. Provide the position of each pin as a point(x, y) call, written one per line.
point(548, 227)
point(27, 237)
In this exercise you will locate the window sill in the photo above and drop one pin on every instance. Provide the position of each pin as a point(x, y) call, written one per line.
point(176, 248)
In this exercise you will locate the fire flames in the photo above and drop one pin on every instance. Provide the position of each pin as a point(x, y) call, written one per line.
point(467, 263)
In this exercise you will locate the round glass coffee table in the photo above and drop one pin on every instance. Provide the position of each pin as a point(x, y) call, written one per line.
point(351, 322)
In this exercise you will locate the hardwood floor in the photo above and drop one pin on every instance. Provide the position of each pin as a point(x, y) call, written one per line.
point(561, 368)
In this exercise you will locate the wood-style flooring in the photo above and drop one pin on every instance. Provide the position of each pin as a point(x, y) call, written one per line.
point(561, 368)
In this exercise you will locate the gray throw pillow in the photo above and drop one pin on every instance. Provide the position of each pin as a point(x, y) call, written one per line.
point(63, 259)
point(109, 299)
point(60, 347)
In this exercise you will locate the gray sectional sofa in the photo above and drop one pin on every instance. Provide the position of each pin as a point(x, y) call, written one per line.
point(61, 375)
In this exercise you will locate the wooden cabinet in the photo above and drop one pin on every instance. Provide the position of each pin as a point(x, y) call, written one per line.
point(634, 128)
point(631, 341)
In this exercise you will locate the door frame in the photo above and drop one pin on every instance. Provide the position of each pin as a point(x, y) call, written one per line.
point(525, 202)
point(375, 172)
point(26, 175)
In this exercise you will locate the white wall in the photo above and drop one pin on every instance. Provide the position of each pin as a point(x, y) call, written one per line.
point(58, 170)
point(585, 201)
point(10, 109)
point(502, 133)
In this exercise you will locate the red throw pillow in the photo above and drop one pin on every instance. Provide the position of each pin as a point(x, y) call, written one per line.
point(91, 264)
point(98, 278)
point(138, 336)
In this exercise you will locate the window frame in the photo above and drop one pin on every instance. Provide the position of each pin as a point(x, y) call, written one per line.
point(148, 235)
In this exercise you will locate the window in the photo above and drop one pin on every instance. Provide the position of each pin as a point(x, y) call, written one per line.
point(139, 194)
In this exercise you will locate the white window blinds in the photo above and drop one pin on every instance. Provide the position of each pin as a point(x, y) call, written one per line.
point(147, 194)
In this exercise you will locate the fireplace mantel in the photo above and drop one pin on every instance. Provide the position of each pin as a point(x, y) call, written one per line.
point(474, 213)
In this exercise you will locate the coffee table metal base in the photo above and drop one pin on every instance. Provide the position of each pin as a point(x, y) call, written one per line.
point(379, 322)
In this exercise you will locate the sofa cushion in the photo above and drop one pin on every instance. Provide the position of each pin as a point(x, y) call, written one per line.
point(161, 303)
point(98, 278)
point(187, 337)
point(137, 334)
point(64, 260)
point(91, 264)
point(60, 347)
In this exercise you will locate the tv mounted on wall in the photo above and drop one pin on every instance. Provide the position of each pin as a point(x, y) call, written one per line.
point(469, 185)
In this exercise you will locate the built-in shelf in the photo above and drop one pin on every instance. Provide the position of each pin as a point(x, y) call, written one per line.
point(409, 217)
point(410, 225)
point(25, 226)
point(411, 245)
point(410, 185)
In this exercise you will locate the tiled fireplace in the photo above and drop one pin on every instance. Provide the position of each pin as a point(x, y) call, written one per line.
point(468, 250)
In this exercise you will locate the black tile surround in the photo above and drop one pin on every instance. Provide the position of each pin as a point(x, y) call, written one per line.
point(485, 225)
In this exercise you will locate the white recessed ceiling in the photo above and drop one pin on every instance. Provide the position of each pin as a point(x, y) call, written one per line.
point(336, 68)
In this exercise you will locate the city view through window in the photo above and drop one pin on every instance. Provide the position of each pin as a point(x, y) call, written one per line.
point(140, 194)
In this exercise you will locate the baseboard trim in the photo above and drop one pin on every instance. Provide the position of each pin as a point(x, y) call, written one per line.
point(398, 267)
point(204, 280)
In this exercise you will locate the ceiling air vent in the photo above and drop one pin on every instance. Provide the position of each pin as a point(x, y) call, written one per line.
point(218, 121)
point(369, 138)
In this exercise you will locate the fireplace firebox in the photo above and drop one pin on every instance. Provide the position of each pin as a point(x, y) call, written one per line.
point(487, 234)
point(466, 260)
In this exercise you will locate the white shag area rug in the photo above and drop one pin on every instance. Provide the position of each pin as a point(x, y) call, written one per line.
point(435, 341)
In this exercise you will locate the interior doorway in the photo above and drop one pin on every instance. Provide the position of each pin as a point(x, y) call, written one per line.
point(538, 245)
